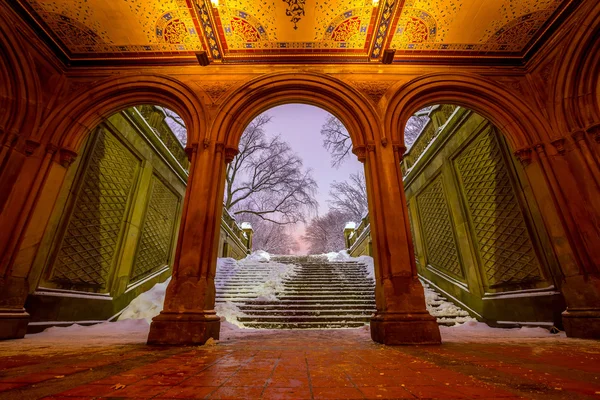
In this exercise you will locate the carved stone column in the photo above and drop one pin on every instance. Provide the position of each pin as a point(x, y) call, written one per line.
point(188, 316)
point(569, 170)
point(23, 173)
point(401, 317)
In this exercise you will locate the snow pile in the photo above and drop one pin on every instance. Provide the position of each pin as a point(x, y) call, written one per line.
point(473, 331)
point(147, 305)
point(269, 278)
point(230, 312)
point(122, 332)
point(258, 256)
point(344, 256)
point(444, 310)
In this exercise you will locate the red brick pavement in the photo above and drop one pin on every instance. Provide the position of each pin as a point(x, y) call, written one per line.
point(341, 364)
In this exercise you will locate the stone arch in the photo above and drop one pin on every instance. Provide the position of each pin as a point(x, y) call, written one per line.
point(513, 116)
point(336, 97)
point(68, 127)
point(577, 84)
point(20, 89)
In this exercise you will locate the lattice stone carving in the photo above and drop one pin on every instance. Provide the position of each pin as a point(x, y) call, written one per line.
point(437, 230)
point(86, 253)
point(505, 247)
point(412, 234)
point(157, 232)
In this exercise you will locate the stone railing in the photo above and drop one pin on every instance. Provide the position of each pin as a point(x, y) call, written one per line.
point(438, 115)
point(236, 239)
point(358, 238)
point(155, 118)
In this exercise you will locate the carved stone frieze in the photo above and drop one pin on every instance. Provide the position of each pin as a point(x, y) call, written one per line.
point(514, 86)
point(374, 90)
point(216, 89)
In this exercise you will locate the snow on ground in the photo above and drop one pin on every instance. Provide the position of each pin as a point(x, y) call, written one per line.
point(473, 331)
point(134, 323)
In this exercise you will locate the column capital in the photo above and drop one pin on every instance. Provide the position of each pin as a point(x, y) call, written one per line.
point(230, 153)
point(524, 155)
point(190, 150)
point(31, 146)
point(578, 135)
point(66, 157)
point(559, 145)
point(360, 152)
point(594, 130)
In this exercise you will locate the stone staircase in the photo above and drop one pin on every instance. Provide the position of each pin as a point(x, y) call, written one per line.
point(319, 294)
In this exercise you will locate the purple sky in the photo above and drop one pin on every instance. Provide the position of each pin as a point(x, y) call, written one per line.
point(300, 125)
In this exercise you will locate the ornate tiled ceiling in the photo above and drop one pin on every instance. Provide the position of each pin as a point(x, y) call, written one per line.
point(293, 30)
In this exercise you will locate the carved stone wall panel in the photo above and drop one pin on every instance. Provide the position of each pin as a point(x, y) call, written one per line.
point(86, 254)
point(505, 247)
point(436, 226)
point(158, 230)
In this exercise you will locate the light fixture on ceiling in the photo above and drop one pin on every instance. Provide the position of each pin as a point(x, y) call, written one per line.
point(202, 58)
point(388, 56)
point(215, 3)
point(375, 3)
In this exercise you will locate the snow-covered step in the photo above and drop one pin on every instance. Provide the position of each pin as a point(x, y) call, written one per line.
point(308, 292)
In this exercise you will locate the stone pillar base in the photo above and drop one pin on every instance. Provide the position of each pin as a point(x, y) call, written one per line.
point(582, 323)
point(13, 323)
point(407, 329)
point(184, 328)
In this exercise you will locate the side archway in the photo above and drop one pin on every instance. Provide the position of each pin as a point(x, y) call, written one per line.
point(513, 116)
point(577, 87)
point(68, 127)
point(20, 90)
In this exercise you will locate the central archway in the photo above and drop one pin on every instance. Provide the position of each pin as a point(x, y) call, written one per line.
point(189, 316)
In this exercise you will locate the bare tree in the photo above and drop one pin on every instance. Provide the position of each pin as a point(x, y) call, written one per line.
point(350, 197)
point(176, 124)
point(414, 126)
point(326, 233)
point(270, 237)
point(268, 180)
point(337, 140)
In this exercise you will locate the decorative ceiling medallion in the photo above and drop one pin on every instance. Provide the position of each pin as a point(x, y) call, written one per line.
point(374, 90)
point(295, 9)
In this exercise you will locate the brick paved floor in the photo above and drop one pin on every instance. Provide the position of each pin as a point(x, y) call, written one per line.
point(335, 364)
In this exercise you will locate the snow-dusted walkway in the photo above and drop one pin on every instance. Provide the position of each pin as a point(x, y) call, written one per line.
point(110, 361)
